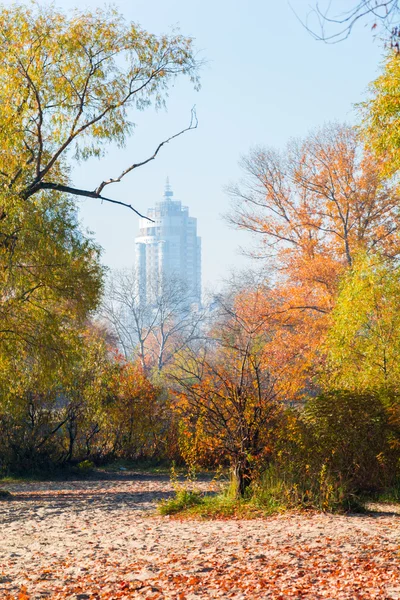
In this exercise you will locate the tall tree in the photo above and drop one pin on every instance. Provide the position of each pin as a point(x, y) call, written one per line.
point(314, 207)
point(69, 86)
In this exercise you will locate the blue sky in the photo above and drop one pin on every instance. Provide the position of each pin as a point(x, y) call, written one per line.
point(266, 80)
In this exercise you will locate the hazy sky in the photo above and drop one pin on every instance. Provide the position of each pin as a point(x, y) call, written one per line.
point(266, 80)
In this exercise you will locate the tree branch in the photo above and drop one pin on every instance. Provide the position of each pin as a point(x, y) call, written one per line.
point(59, 187)
point(384, 11)
point(192, 125)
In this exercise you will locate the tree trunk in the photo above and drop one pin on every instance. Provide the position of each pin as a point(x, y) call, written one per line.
point(242, 476)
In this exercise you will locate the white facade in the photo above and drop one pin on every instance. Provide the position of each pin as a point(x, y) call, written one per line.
point(168, 247)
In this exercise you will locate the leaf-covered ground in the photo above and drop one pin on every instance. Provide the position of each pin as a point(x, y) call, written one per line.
point(102, 540)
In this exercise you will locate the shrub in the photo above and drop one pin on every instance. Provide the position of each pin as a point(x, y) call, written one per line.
point(354, 435)
point(182, 500)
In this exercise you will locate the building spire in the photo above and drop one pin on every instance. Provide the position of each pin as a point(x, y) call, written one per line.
point(168, 190)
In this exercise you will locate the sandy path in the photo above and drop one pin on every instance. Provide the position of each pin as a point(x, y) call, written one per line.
point(102, 540)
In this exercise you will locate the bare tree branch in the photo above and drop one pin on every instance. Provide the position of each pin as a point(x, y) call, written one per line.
point(192, 125)
point(384, 12)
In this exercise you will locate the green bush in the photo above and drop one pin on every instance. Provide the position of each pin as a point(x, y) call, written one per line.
point(281, 489)
point(355, 436)
point(182, 500)
point(341, 445)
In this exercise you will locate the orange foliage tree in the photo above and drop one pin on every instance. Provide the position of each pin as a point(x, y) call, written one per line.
point(112, 408)
point(228, 391)
point(289, 348)
point(315, 206)
point(139, 417)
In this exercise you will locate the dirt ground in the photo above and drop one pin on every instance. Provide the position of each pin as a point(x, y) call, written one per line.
point(102, 539)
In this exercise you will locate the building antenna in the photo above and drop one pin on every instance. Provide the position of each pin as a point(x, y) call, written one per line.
point(168, 190)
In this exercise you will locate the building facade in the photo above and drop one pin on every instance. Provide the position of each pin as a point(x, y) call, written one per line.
point(168, 247)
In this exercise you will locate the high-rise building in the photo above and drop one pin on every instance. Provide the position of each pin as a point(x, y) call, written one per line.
point(168, 247)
